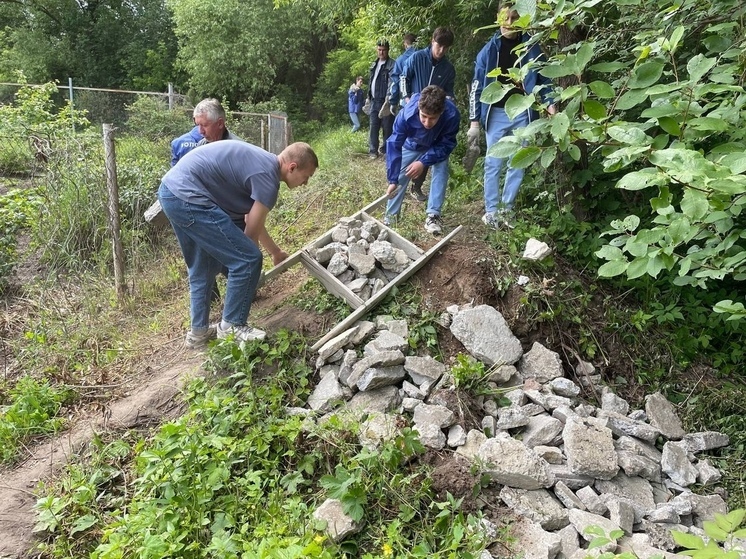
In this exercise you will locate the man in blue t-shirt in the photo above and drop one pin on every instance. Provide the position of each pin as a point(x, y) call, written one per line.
point(424, 136)
point(205, 195)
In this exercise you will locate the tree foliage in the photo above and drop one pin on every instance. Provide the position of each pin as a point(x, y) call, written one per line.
point(101, 43)
point(242, 50)
point(660, 105)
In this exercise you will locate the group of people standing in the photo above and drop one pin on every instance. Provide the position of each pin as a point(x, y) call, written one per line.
point(412, 106)
point(219, 190)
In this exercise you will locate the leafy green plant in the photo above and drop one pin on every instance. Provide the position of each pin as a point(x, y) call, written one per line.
point(149, 117)
point(312, 296)
point(17, 208)
point(721, 537)
point(32, 411)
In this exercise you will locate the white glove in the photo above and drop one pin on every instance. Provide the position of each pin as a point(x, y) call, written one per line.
point(472, 148)
point(472, 136)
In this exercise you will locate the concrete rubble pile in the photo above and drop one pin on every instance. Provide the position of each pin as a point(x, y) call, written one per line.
point(361, 257)
point(564, 465)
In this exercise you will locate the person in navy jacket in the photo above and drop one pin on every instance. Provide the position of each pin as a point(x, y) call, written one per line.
point(424, 136)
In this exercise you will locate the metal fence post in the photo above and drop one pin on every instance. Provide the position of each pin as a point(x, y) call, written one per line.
point(72, 102)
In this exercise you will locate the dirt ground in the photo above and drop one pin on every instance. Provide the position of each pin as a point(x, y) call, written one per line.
point(462, 272)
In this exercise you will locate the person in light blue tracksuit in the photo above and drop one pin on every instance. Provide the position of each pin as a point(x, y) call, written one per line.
point(394, 97)
point(502, 52)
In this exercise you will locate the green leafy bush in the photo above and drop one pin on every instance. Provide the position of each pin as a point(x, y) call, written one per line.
point(149, 117)
point(17, 208)
point(32, 411)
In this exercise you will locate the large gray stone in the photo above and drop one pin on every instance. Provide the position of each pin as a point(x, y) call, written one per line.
point(582, 520)
point(510, 462)
point(662, 415)
point(638, 490)
point(327, 394)
point(539, 505)
point(486, 335)
point(338, 524)
point(541, 364)
point(541, 430)
point(705, 440)
point(623, 425)
point(589, 448)
point(424, 369)
point(676, 464)
point(531, 541)
point(378, 377)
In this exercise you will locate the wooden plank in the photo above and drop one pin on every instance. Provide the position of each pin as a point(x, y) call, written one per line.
point(378, 297)
point(291, 260)
point(373, 205)
point(330, 281)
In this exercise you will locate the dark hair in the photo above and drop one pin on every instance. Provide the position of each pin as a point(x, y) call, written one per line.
point(410, 38)
point(432, 100)
point(382, 43)
point(443, 36)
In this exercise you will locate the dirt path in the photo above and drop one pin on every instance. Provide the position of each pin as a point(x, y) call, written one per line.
point(153, 402)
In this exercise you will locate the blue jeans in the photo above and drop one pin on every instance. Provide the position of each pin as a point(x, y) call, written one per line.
point(500, 125)
point(385, 124)
point(438, 183)
point(209, 241)
point(355, 122)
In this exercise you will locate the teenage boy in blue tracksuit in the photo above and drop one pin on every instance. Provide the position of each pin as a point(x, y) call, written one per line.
point(500, 52)
point(424, 136)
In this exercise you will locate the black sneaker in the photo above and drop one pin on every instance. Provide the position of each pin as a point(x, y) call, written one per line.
point(417, 192)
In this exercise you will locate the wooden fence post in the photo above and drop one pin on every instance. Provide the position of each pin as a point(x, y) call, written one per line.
point(113, 210)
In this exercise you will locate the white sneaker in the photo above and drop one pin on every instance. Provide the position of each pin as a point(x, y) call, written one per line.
point(433, 225)
point(199, 341)
point(505, 219)
point(490, 220)
point(243, 333)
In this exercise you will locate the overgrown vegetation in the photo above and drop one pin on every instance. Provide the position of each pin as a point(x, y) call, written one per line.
point(237, 476)
point(31, 411)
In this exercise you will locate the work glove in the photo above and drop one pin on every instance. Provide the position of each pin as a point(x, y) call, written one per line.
point(472, 148)
point(385, 109)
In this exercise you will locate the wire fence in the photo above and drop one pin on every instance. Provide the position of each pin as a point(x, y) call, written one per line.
point(270, 131)
point(66, 167)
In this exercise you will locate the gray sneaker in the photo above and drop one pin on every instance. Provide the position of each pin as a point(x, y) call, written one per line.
point(243, 333)
point(200, 341)
point(389, 220)
point(433, 224)
point(490, 220)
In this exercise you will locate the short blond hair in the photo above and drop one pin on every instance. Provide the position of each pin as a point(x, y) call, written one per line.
point(302, 154)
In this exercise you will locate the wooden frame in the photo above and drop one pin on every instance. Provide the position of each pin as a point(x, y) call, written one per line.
point(333, 285)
